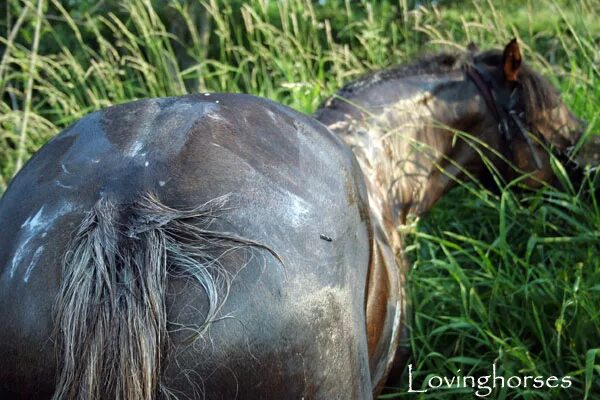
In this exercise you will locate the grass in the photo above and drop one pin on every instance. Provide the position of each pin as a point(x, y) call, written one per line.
point(510, 279)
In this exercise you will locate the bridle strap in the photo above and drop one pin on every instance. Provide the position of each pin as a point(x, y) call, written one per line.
point(484, 88)
point(485, 85)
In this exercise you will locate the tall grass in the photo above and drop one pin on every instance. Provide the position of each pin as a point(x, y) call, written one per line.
point(511, 279)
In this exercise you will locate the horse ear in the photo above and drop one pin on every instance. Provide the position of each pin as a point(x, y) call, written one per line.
point(511, 61)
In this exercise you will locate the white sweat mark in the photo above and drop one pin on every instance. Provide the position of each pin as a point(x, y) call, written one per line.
point(35, 227)
point(299, 210)
point(62, 185)
point(34, 260)
point(271, 115)
point(18, 257)
point(35, 222)
point(135, 149)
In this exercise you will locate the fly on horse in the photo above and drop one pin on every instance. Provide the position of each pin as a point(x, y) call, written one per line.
point(223, 246)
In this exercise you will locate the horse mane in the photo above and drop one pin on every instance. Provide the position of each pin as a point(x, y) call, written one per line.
point(425, 65)
point(538, 93)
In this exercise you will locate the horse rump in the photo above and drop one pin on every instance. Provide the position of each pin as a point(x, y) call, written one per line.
point(111, 314)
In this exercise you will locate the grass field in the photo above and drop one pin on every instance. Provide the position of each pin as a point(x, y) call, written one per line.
point(510, 279)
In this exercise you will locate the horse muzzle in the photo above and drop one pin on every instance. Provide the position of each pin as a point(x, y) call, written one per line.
point(587, 154)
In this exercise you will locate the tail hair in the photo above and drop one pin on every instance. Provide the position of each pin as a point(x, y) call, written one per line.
point(110, 314)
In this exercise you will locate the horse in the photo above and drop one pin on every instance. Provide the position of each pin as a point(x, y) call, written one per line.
point(419, 129)
point(225, 246)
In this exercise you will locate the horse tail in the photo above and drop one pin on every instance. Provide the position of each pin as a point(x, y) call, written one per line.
point(111, 314)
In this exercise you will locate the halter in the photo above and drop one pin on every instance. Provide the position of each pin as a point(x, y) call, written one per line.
point(509, 120)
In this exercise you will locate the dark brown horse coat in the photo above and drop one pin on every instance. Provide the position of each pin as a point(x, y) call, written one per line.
point(223, 246)
point(419, 129)
point(287, 328)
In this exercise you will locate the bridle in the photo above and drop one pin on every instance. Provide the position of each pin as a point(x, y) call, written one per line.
point(509, 120)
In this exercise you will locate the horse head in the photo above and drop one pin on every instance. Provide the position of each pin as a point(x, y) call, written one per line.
point(419, 129)
point(533, 121)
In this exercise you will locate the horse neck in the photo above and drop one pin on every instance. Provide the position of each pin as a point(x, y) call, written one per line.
point(399, 132)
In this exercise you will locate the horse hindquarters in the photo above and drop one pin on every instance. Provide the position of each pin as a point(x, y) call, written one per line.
point(156, 301)
point(133, 293)
point(282, 333)
point(272, 351)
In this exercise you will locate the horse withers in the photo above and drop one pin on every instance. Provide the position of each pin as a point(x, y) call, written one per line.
point(223, 246)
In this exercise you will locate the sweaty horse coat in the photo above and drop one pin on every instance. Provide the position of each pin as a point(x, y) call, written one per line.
point(272, 305)
point(222, 245)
